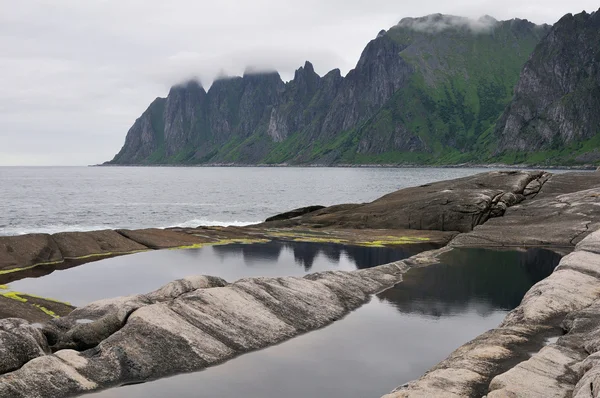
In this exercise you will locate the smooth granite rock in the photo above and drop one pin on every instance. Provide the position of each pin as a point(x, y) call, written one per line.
point(186, 326)
point(499, 360)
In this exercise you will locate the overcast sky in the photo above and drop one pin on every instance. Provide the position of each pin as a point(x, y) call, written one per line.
point(75, 74)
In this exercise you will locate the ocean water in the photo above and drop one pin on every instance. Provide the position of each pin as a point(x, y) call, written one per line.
point(56, 199)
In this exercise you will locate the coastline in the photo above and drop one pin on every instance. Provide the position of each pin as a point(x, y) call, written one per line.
point(589, 167)
point(496, 209)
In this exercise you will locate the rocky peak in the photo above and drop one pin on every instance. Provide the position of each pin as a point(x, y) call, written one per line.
point(379, 72)
point(190, 85)
point(185, 105)
point(558, 92)
point(305, 83)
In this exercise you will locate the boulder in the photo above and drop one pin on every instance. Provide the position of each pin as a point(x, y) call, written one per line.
point(20, 342)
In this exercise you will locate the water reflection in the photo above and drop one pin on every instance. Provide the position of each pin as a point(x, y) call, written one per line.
point(395, 338)
point(144, 272)
point(487, 280)
point(306, 253)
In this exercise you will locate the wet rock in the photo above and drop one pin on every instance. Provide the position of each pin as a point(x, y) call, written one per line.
point(82, 244)
point(562, 220)
point(27, 251)
point(560, 184)
point(32, 309)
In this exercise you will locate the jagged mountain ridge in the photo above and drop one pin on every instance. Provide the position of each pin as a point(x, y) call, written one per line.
point(556, 106)
point(428, 88)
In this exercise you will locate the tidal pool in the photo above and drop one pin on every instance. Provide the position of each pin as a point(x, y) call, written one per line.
point(145, 272)
point(394, 338)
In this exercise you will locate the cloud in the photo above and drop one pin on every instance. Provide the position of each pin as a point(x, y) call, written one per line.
point(437, 23)
point(76, 74)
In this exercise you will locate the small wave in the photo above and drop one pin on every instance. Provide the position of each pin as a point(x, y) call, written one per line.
point(213, 223)
point(50, 229)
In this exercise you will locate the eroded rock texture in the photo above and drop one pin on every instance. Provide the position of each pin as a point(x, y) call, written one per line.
point(185, 326)
point(570, 298)
point(455, 205)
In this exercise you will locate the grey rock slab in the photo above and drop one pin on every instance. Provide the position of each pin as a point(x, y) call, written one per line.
point(186, 326)
point(562, 220)
point(502, 354)
point(550, 373)
point(455, 205)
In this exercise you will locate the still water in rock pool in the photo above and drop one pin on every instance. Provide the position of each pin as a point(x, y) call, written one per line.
point(394, 338)
point(145, 272)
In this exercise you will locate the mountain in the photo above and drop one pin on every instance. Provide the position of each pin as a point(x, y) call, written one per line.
point(428, 90)
point(554, 116)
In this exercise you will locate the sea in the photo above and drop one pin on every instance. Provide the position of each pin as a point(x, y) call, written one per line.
point(58, 199)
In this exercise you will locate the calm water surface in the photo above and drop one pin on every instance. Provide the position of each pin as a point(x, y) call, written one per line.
point(56, 199)
point(396, 337)
point(145, 272)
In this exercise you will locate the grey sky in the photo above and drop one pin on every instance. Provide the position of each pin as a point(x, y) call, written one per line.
point(75, 74)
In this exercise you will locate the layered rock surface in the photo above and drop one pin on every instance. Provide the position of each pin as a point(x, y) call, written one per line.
point(185, 326)
point(561, 215)
point(455, 205)
point(486, 365)
point(200, 321)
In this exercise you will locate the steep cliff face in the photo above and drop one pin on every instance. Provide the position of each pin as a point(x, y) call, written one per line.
point(557, 99)
point(145, 138)
point(424, 91)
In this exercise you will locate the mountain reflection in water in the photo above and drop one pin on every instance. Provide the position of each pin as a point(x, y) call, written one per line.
point(488, 280)
point(305, 253)
point(144, 272)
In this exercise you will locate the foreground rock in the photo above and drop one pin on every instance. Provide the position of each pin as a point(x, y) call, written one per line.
point(570, 298)
point(31, 308)
point(185, 326)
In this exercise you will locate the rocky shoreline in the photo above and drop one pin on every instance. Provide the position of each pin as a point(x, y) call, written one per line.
point(371, 165)
point(200, 321)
